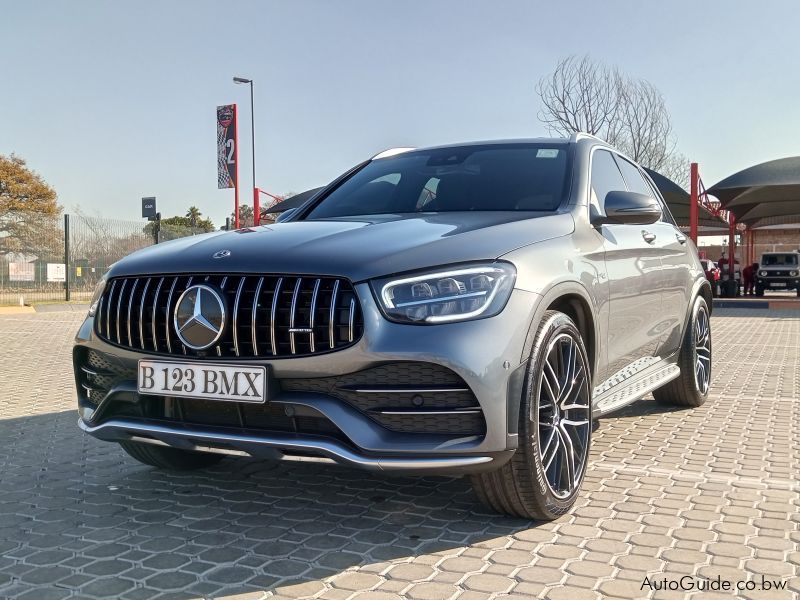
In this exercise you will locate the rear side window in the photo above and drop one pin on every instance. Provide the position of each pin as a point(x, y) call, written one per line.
point(605, 177)
point(633, 178)
point(637, 183)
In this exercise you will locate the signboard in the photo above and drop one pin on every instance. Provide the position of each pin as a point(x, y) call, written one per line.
point(56, 272)
point(227, 153)
point(21, 271)
point(149, 208)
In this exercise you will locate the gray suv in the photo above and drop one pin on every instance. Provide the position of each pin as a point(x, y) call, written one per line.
point(467, 309)
point(778, 271)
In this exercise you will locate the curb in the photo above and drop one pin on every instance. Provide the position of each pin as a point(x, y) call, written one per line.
point(759, 304)
point(17, 310)
point(62, 307)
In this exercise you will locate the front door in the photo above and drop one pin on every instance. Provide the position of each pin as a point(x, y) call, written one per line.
point(676, 277)
point(633, 262)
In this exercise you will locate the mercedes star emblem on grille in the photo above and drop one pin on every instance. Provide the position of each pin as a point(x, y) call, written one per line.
point(200, 317)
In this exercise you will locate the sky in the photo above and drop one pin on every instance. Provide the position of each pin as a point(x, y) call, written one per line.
point(114, 101)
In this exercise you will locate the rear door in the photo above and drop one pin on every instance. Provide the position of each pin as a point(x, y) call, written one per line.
point(676, 278)
point(634, 274)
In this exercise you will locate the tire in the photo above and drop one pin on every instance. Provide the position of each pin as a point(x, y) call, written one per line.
point(759, 291)
point(524, 487)
point(170, 459)
point(691, 387)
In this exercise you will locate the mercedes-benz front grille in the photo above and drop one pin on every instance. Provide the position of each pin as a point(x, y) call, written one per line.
point(269, 316)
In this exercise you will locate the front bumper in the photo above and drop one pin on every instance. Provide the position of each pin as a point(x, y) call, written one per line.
point(778, 283)
point(236, 443)
point(486, 354)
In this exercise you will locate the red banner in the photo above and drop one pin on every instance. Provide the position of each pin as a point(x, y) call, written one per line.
point(227, 153)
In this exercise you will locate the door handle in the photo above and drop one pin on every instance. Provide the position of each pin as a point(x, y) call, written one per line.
point(648, 237)
point(681, 238)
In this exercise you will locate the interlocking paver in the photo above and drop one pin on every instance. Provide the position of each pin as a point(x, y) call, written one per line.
point(431, 591)
point(698, 492)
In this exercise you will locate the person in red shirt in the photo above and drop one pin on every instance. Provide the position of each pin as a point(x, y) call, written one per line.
point(749, 279)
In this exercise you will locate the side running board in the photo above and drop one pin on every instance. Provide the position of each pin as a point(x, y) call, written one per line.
point(634, 388)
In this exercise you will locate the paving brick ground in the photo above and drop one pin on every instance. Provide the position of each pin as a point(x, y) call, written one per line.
point(704, 492)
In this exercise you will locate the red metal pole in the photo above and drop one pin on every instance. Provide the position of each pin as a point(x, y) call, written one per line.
point(694, 209)
point(256, 207)
point(731, 246)
point(235, 169)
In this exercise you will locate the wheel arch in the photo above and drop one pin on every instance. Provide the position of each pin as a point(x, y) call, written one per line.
point(572, 299)
point(701, 288)
point(708, 296)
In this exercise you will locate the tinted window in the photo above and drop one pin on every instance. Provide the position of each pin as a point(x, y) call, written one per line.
point(517, 177)
point(772, 260)
point(666, 214)
point(633, 177)
point(605, 177)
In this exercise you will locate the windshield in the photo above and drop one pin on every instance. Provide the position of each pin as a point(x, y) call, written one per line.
point(771, 260)
point(496, 177)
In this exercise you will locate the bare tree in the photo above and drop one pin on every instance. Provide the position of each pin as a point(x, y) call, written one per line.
point(584, 95)
point(579, 95)
point(642, 126)
point(676, 167)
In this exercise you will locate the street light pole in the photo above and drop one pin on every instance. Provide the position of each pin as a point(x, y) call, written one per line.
point(256, 207)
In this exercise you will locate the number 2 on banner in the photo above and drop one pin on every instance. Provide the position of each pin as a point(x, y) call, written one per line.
point(230, 145)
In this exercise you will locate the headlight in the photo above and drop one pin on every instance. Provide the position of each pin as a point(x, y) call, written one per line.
point(98, 291)
point(793, 274)
point(446, 295)
point(762, 273)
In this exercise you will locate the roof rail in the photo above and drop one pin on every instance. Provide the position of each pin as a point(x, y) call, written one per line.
point(582, 135)
point(392, 152)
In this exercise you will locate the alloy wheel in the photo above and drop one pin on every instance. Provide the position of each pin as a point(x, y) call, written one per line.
point(702, 349)
point(564, 415)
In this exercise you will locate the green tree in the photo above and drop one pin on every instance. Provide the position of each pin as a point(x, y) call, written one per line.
point(29, 211)
point(176, 227)
point(245, 216)
point(194, 215)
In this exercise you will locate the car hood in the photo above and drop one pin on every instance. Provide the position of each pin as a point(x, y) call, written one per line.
point(356, 248)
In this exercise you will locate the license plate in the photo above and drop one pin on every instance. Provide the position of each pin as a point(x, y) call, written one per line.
point(206, 381)
point(777, 284)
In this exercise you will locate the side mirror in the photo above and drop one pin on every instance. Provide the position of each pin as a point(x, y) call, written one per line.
point(629, 208)
point(286, 215)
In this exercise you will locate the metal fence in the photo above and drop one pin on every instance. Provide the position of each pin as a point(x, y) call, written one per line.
point(50, 259)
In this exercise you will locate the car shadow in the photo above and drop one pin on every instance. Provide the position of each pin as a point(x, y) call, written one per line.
point(82, 516)
point(644, 407)
point(640, 408)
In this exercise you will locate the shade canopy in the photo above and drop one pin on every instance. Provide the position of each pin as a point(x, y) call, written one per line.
point(678, 201)
point(291, 202)
point(768, 190)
